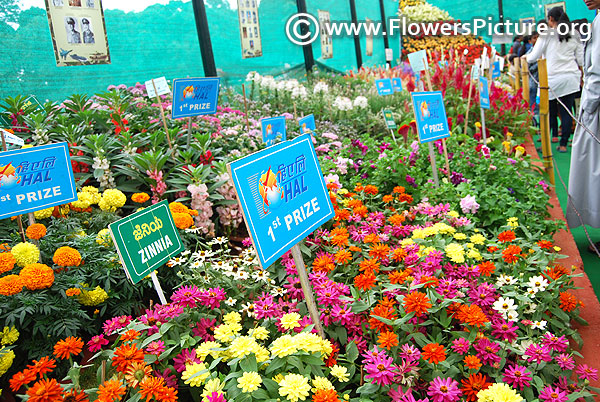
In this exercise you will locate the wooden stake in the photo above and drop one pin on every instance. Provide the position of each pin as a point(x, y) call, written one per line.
point(545, 120)
point(525, 76)
point(246, 107)
point(189, 137)
point(517, 74)
point(469, 102)
point(307, 289)
point(162, 113)
point(428, 77)
point(295, 112)
point(436, 180)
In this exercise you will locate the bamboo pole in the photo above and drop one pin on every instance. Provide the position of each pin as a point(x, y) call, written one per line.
point(525, 76)
point(162, 114)
point(517, 74)
point(469, 101)
point(545, 120)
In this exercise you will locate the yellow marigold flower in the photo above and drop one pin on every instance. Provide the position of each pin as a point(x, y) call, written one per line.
point(67, 257)
point(92, 297)
point(36, 231)
point(10, 285)
point(25, 253)
point(44, 213)
point(260, 333)
point(232, 318)
point(262, 354)
point(6, 360)
point(191, 370)
point(249, 381)
point(104, 239)
point(140, 198)
point(225, 332)
point(294, 387)
point(183, 221)
point(112, 199)
point(499, 392)
point(477, 239)
point(9, 335)
point(207, 348)
point(455, 252)
point(283, 346)
point(73, 292)
point(84, 200)
point(243, 346)
point(37, 276)
point(460, 236)
point(340, 372)
point(7, 262)
point(321, 383)
point(290, 321)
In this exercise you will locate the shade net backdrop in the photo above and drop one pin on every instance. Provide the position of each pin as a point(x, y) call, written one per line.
point(162, 40)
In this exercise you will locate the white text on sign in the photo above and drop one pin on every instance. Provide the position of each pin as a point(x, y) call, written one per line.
point(31, 196)
point(297, 216)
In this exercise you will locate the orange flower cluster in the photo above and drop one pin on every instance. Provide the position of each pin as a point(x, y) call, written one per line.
point(11, 285)
point(471, 315)
point(472, 362)
point(511, 254)
point(486, 268)
point(387, 340)
point(398, 277)
point(67, 347)
point(396, 220)
point(416, 302)
point(37, 276)
point(472, 385)
point(384, 309)
point(568, 302)
point(73, 292)
point(507, 236)
point(369, 266)
point(365, 281)
point(126, 355)
point(556, 272)
point(379, 251)
point(324, 263)
point(326, 395)
point(67, 257)
point(434, 353)
point(182, 215)
point(111, 390)
point(140, 198)
point(36, 231)
point(7, 262)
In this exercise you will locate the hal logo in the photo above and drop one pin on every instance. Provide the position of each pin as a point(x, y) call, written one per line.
point(26, 174)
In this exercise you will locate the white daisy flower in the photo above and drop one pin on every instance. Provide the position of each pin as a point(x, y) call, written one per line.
point(502, 305)
point(539, 325)
point(537, 283)
point(231, 302)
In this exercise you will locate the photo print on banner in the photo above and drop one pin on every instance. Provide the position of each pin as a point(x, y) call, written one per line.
point(249, 28)
point(78, 32)
point(326, 43)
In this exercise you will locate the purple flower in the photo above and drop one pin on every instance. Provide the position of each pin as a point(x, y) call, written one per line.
point(565, 361)
point(537, 353)
point(518, 376)
point(550, 394)
point(585, 372)
point(443, 390)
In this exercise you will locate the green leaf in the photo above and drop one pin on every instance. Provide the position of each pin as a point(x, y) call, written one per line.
point(351, 352)
point(248, 363)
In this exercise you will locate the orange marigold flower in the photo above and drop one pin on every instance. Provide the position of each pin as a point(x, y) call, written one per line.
point(370, 189)
point(167, 394)
point(111, 390)
point(67, 257)
point(140, 198)
point(342, 214)
point(11, 285)
point(472, 385)
point(178, 208)
point(21, 378)
point(387, 340)
point(43, 366)
point(76, 396)
point(507, 236)
point(399, 190)
point(341, 231)
point(383, 312)
point(568, 302)
point(67, 347)
point(73, 292)
point(364, 281)
point(371, 238)
point(340, 240)
point(511, 254)
point(37, 276)
point(355, 249)
point(355, 203)
point(7, 262)
point(45, 391)
point(472, 362)
point(362, 211)
point(407, 198)
point(371, 265)
point(416, 302)
point(343, 257)
point(379, 251)
point(130, 335)
point(4, 247)
point(326, 395)
point(434, 353)
point(545, 244)
point(324, 263)
point(397, 277)
point(399, 254)
point(471, 315)
point(182, 220)
point(358, 188)
point(429, 281)
point(387, 303)
point(125, 355)
point(396, 220)
point(151, 387)
point(486, 268)
point(36, 231)
point(388, 198)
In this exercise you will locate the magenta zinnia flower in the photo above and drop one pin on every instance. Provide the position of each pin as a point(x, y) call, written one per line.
point(216, 396)
point(550, 394)
point(585, 372)
point(443, 390)
point(537, 353)
point(170, 379)
point(565, 361)
point(555, 343)
point(505, 330)
point(518, 376)
point(96, 343)
point(155, 348)
point(187, 356)
point(381, 370)
point(410, 353)
point(205, 329)
point(461, 346)
point(187, 296)
point(212, 298)
point(487, 351)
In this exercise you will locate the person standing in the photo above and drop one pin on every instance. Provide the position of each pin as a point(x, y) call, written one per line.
point(584, 177)
point(73, 35)
point(562, 48)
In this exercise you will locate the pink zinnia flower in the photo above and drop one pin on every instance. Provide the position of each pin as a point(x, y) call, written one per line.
point(443, 390)
point(381, 370)
point(205, 329)
point(537, 353)
point(410, 353)
point(187, 296)
point(555, 343)
point(96, 343)
point(550, 394)
point(187, 356)
point(216, 396)
point(505, 330)
point(212, 298)
point(156, 348)
point(565, 361)
point(587, 373)
point(114, 324)
point(487, 351)
point(518, 376)
point(170, 379)
point(461, 346)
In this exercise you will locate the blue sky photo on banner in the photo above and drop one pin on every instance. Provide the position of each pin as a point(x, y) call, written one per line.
point(273, 128)
point(484, 93)
point(397, 84)
point(195, 96)
point(308, 124)
point(35, 178)
point(282, 195)
point(384, 86)
point(430, 115)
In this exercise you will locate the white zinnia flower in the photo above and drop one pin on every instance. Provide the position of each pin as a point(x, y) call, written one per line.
point(537, 283)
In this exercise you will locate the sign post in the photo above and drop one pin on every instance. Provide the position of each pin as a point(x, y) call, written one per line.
point(308, 125)
point(388, 116)
point(246, 108)
point(384, 86)
point(474, 74)
point(284, 198)
point(484, 103)
point(145, 241)
point(155, 89)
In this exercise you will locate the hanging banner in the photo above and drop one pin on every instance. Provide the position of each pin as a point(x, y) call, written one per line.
point(430, 116)
point(283, 196)
point(369, 38)
point(326, 43)
point(78, 32)
point(194, 97)
point(249, 28)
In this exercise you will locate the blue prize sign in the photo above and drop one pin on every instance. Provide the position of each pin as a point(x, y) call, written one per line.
point(430, 115)
point(397, 84)
point(35, 178)
point(496, 70)
point(418, 61)
point(484, 93)
point(384, 86)
point(283, 196)
point(308, 125)
point(273, 128)
point(195, 96)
